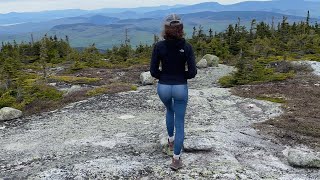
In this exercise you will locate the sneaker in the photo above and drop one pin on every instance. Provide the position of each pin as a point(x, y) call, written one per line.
point(176, 164)
point(168, 149)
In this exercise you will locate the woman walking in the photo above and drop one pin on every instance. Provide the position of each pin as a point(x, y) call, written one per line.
point(174, 53)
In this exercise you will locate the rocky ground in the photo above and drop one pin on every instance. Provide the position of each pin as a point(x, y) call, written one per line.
point(300, 122)
point(119, 136)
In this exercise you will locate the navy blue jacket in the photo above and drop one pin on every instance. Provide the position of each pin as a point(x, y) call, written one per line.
point(173, 55)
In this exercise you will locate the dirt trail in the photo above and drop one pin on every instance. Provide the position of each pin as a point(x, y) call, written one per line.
point(117, 137)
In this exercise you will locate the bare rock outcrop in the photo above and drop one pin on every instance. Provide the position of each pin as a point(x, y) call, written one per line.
point(203, 63)
point(305, 158)
point(146, 78)
point(116, 136)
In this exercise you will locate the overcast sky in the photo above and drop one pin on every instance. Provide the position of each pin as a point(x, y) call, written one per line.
point(40, 5)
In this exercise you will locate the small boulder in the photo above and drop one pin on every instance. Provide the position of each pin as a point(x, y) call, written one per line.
point(52, 84)
point(212, 60)
point(304, 158)
point(146, 78)
point(73, 89)
point(250, 108)
point(202, 63)
point(8, 113)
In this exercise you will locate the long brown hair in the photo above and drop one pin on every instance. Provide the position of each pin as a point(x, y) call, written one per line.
point(173, 32)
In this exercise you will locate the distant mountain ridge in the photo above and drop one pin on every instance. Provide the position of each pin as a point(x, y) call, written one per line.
point(108, 31)
point(47, 25)
point(105, 27)
point(288, 7)
point(14, 17)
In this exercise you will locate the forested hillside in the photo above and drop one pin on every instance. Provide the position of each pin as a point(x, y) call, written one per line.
point(84, 31)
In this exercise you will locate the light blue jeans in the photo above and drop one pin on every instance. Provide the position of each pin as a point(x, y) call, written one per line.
point(175, 98)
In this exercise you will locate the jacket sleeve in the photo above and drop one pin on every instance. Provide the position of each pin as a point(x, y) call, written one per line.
point(155, 62)
point(191, 62)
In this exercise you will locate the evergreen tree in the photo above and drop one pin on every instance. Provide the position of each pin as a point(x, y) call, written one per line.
point(252, 28)
point(67, 39)
point(155, 39)
point(44, 57)
point(194, 32)
point(210, 33)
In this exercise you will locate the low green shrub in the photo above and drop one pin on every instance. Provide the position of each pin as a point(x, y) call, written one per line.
point(97, 91)
point(226, 81)
point(111, 88)
point(312, 57)
point(257, 71)
point(96, 64)
point(280, 76)
point(44, 92)
point(76, 66)
point(272, 99)
point(7, 100)
point(74, 79)
point(135, 61)
point(28, 92)
point(134, 88)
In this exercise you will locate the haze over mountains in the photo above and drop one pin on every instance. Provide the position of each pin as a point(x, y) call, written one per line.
point(105, 27)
